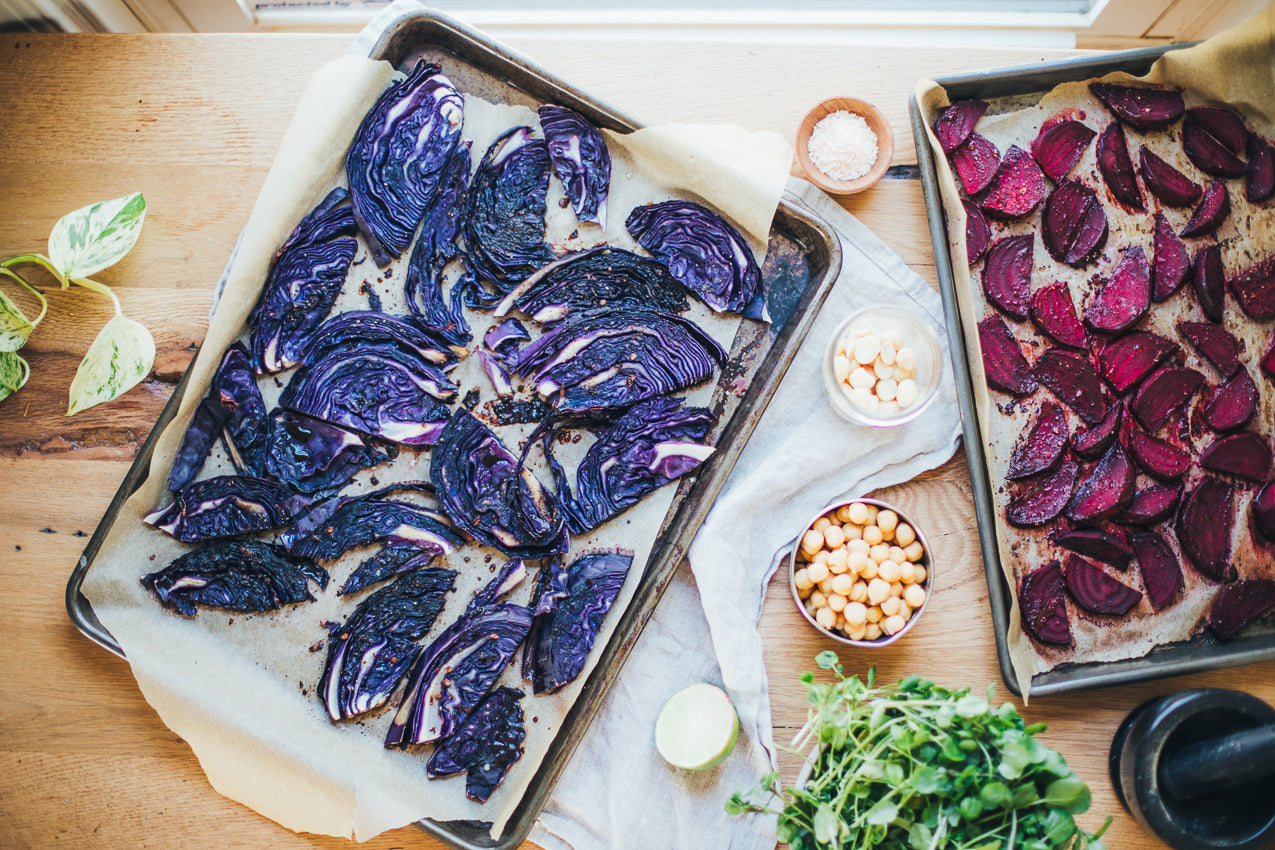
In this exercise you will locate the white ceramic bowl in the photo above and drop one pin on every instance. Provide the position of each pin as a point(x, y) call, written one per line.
point(918, 334)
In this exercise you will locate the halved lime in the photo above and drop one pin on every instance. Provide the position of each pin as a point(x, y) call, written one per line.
point(697, 727)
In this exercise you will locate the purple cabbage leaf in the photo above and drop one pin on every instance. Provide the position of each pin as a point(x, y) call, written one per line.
point(376, 518)
point(356, 327)
point(226, 506)
point(232, 409)
point(238, 575)
point(580, 159)
point(436, 247)
point(310, 455)
point(486, 745)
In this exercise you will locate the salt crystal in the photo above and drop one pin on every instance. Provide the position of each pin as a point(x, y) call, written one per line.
point(843, 146)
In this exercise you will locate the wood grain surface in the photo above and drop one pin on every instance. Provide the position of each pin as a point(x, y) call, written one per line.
point(193, 122)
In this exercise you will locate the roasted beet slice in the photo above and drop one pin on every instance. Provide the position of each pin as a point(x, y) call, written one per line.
point(1039, 502)
point(1163, 394)
point(1127, 359)
point(1171, 186)
point(1007, 275)
point(1158, 458)
point(1106, 489)
point(1095, 591)
point(1059, 147)
point(1214, 207)
point(1017, 188)
point(1054, 313)
point(1151, 505)
point(1043, 605)
point(1161, 572)
point(1254, 288)
point(1213, 139)
point(1232, 404)
point(1092, 443)
point(1245, 455)
point(1040, 446)
point(1072, 379)
point(1236, 604)
point(1109, 547)
point(1074, 224)
point(1204, 527)
point(955, 124)
point(977, 232)
point(975, 163)
point(1208, 280)
point(1268, 362)
point(1215, 343)
point(1117, 167)
point(1124, 300)
point(1170, 261)
point(1263, 511)
point(1004, 364)
point(1259, 179)
point(1140, 107)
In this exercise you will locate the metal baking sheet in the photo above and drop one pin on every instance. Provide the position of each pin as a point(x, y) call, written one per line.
point(1200, 653)
point(803, 261)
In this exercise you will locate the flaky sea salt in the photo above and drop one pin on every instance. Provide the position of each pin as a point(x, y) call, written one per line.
point(843, 146)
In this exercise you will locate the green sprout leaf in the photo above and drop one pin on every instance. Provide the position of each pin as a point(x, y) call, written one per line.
point(95, 237)
point(122, 355)
point(15, 327)
point(13, 373)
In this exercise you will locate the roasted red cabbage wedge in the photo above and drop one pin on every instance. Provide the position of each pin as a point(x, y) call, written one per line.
point(1171, 186)
point(237, 575)
point(1040, 501)
point(1141, 107)
point(1040, 447)
point(1007, 275)
point(1017, 188)
point(1253, 288)
point(975, 163)
point(1127, 359)
point(436, 246)
point(1097, 592)
point(1073, 381)
point(1054, 313)
point(1204, 527)
point(1170, 261)
point(387, 562)
point(1110, 547)
point(1123, 300)
point(1213, 139)
point(956, 123)
point(1161, 572)
point(1105, 489)
point(1059, 146)
point(311, 456)
point(1214, 207)
point(1004, 364)
point(226, 506)
point(233, 410)
point(1238, 604)
point(1074, 225)
point(1244, 454)
point(598, 278)
point(580, 159)
point(376, 518)
point(1116, 167)
point(1042, 598)
point(486, 745)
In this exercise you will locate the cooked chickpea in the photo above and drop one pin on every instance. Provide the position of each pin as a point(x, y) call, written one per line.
point(872, 534)
point(858, 513)
point(818, 571)
point(914, 551)
point(842, 584)
point(811, 542)
point(887, 520)
point(857, 632)
point(879, 554)
point(914, 595)
point(890, 607)
point(820, 557)
point(856, 613)
point(836, 602)
point(817, 600)
point(920, 574)
point(878, 591)
point(833, 536)
point(843, 514)
point(872, 514)
point(888, 570)
point(874, 614)
point(869, 570)
point(837, 560)
point(872, 632)
point(825, 586)
point(896, 589)
point(905, 610)
point(858, 544)
point(852, 531)
point(856, 561)
point(820, 524)
point(898, 555)
point(892, 625)
point(907, 572)
point(904, 534)
point(859, 593)
point(801, 579)
point(826, 618)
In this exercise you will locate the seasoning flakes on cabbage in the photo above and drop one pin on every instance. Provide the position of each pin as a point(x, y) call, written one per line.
point(436, 247)
point(704, 252)
point(570, 604)
point(234, 410)
point(397, 160)
point(227, 505)
point(386, 563)
point(376, 518)
point(580, 159)
point(355, 327)
point(310, 455)
point(373, 649)
point(486, 745)
point(490, 495)
point(239, 575)
point(605, 360)
point(304, 281)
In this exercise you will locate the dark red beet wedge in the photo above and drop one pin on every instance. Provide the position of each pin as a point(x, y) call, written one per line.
point(1237, 604)
point(1017, 188)
point(1109, 547)
point(1140, 108)
point(1204, 527)
point(1043, 605)
point(1158, 458)
point(955, 124)
point(1245, 455)
point(1208, 280)
point(975, 163)
point(1038, 502)
point(1054, 313)
point(1041, 445)
point(1059, 147)
point(1105, 490)
point(1072, 379)
point(1074, 224)
point(1263, 515)
point(1095, 591)
point(1171, 186)
point(1117, 167)
point(1163, 394)
point(1215, 344)
point(977, 232)
point(1151, 505)
point(1092, 443)
point(1124, 300)
point(1004, 364)
point(1233, 404)
point(1214, 207)
point(1259, 180)
point(1170, 261)
point(1215, 156)
point(1127, 359)
point(1254, 288)
point(1161, 572)
point(1268, 362)
point(1007, 275)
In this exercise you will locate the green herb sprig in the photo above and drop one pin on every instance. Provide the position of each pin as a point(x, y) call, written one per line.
point(81, 244)
point(916, 766)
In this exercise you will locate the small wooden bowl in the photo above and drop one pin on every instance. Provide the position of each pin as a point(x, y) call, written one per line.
point(878, 124)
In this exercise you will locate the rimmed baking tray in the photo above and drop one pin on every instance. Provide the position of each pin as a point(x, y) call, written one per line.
point(1196, 655)
point(803, 261)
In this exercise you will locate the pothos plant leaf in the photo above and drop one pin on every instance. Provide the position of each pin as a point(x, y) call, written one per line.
point(121, 356)
point(15, 327)
point(95, 237)
point(13, 373)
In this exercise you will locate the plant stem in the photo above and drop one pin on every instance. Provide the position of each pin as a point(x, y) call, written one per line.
point(100, 289)
point(39, 260)
point(44, 304)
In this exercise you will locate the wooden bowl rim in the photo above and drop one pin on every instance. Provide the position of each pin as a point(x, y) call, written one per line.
point(876, 120)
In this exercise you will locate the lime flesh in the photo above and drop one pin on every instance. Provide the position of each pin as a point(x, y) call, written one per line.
point(697, 727)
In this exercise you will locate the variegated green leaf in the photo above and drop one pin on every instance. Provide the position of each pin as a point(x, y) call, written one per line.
point(93, 238)
point(13, 373)
point(15, 327)
point(122, 355)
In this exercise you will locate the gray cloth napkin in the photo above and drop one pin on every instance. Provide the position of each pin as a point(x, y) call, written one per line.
point(616, 791)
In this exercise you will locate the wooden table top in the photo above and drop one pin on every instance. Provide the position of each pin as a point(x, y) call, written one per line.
point(193, 122)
